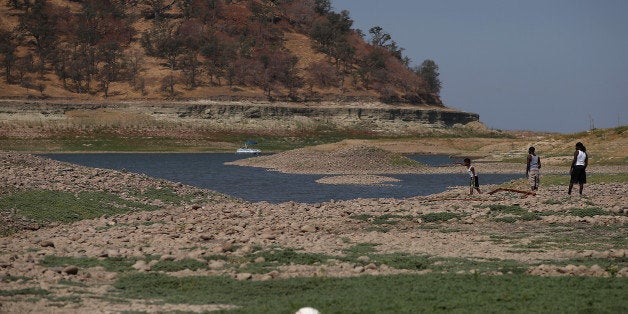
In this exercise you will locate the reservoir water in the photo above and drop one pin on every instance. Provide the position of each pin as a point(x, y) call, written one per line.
point(256, 184)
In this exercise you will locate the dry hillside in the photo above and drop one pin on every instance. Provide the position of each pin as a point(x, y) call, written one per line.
point(285, 57)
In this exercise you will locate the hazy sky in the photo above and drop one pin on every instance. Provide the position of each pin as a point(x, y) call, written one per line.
point(543, 65)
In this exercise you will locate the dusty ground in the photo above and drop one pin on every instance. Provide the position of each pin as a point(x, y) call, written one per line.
point(215, 224)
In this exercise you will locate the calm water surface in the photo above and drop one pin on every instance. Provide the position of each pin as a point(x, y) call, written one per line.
point(256, 184)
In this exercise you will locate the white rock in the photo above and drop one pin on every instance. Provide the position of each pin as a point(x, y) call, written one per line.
point(307, 310)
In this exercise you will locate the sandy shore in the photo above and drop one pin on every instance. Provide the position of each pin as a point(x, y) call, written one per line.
point(212, 224)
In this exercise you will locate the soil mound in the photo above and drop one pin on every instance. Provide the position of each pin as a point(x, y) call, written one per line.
point(347, 160)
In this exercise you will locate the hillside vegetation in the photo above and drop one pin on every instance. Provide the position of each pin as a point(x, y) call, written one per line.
point(295, 50)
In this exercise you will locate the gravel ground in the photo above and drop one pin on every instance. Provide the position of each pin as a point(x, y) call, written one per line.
point(212, 223)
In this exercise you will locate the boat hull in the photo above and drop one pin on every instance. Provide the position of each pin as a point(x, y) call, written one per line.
point(248, 151)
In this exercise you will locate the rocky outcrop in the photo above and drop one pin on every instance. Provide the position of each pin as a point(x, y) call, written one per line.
point(216, 110)
point(437, 116)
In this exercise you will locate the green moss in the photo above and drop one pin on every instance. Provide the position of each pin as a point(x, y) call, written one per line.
point(115, 264)
point(431, 293)
point(172, 266)
point(588, 212)
point(26, 291)
point(440, 217)
point(45, 206)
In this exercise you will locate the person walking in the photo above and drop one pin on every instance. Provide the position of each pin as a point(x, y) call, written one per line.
point(578, 167)
point(532, 169)
point(474, 183)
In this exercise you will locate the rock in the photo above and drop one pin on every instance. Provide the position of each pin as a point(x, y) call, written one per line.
point(141, 266)
point(370, 266)
point(4, 263)
point(244, 276)
point(363, 258)
point(206, 237)
point(167, 257)
point(596, 270)
point(268, 236)
point(274, 274)
point(260, 259)
point(217, 249)
point(225, 247)
point(75, 237)
point(113, 253)
point(307, 310)
point(246, 249)
point(71, 270)
point(216, 264)
point(308, 228)
point(46, 243)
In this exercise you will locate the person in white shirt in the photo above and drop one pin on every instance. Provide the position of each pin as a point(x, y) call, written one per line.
point(578, 167)
point(474, 182)
point(532, 169)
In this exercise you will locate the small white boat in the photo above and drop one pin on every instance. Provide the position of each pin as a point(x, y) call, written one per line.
point(248, 150)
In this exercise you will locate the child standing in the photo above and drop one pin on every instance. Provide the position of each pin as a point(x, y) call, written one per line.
point(532, 169)
point(473, 182)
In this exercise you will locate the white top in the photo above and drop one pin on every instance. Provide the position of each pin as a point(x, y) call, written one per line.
point(471, 172)
point(582, 156)
point(534, 162)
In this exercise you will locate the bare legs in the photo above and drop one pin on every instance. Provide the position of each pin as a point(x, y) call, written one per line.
point(571, 187)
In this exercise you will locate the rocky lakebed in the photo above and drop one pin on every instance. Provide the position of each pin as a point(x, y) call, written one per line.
point(152, 222)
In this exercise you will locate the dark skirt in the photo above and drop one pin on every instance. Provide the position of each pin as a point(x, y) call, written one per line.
point(578, 175)
point(474, 182)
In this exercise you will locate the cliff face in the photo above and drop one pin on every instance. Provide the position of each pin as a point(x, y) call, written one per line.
point(175, 119)
point(225, 111)
point(437, 117)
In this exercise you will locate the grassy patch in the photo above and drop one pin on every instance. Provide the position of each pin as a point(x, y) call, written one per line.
point(588, 212)
point(26, 291)
point(386, 219)
point(512, 213)
point(478, 265)
point(114, 264)
point(166, 195)
point(13, 278)
point(361, 249)
point(507, 209)
point(172, 266)
point(553, 202)
point(387, 294)
point(71, 283)
point(287, 256)
point(399, 160)
point(403, 261)
point(45, 206)
point(584, 237)
point(609, 264)
point(509, 219)
point(440, 217)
